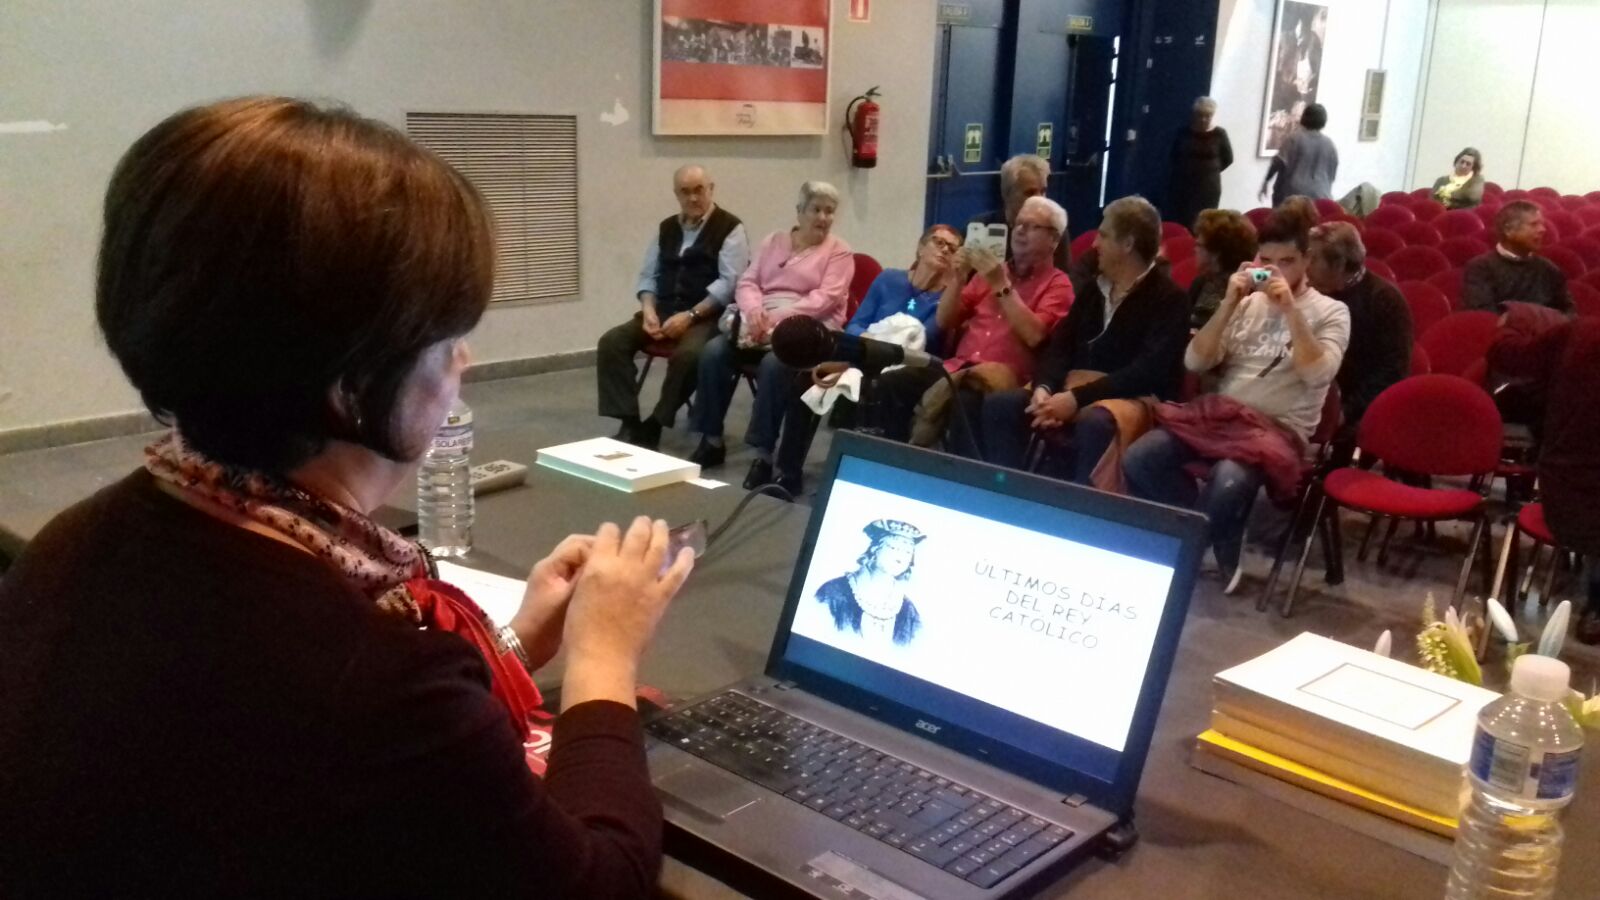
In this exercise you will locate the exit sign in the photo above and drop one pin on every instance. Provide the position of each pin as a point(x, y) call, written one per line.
point(1080, 23)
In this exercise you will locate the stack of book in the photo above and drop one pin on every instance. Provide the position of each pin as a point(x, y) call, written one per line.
point(1350, 725)
point(617, 465)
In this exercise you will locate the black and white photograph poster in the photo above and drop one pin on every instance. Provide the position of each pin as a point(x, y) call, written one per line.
point(1294, 70)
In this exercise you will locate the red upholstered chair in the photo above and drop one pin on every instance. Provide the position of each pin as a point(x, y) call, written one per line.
point(1449, 283)
point(1585, 297)
point(1592, 196)
point(1312, 470)
point(1394, 198)
point(1515, 194)
point(1591, 278)
point(1427, 426)
point(1486, 214)
point(1563, 224)
point(1492, 189)
point(1420, 364)
point(1573, 202)
point(1381, 242)
point(1419, 234)
point(1184, 272)
point(867, 271)
point(1462, 250)
point(1083, 242)
point(1379, 268)
point(1178, 248)
point(1174, 229)
point(1458, 223)
point(1529, 521)
point(1417, 263)
point(1428, 304)
point(1459, 340)
point(1589, 215)
point(1258, 216)
point(1422, 194)
point(1427, 209)
point(1329, 209)
point(1549, 192)
point(1392, 216)
point(1570, 263)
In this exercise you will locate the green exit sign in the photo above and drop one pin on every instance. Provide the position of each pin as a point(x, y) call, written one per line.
point(1080, 23)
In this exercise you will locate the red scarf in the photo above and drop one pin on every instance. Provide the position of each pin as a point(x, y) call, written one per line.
point(379, 564)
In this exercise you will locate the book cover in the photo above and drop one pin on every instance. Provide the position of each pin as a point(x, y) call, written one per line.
point(617, 465)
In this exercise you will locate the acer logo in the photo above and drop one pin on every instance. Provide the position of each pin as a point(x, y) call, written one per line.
point(929, 727)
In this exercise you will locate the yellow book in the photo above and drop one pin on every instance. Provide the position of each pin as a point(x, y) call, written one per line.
point(1224, 747)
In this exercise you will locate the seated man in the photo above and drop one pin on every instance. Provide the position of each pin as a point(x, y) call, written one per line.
point(1129, 329)
point(1512, 271)
point(1380, 325)
point(997, 319)
point(1275, 346)
point(688, 277)
point(1022, 176)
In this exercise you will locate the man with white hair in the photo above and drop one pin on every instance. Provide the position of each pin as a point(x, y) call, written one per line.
point(1003, 311)
point(690, 267)
point(1022, 176)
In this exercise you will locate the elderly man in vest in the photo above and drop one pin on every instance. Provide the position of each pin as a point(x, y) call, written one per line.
point(689, 271)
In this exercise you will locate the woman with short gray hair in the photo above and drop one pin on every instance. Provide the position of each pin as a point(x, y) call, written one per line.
point(1199, 155)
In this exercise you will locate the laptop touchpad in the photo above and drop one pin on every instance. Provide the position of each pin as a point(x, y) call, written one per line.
point(709, 791)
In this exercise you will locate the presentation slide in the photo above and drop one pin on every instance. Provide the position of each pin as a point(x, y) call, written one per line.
point(1048, 628)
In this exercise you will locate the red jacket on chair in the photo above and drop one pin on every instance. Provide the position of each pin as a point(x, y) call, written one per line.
point(1562, 356)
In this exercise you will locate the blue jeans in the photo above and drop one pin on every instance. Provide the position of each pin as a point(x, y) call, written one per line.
point(720, 362)
point(1005, 431)
point(1154, 468)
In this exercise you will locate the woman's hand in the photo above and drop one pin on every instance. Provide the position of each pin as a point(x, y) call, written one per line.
point(826, 375)
point(620, 596)
point(1240, 284)
point(1277, 289)
point(542, 616)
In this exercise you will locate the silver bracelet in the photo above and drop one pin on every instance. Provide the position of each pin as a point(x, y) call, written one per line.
point(507, 638)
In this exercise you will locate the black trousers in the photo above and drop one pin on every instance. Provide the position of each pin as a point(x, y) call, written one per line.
point(894, 403)
point(617, 375)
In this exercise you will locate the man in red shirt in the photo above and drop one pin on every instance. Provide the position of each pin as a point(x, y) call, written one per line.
point(997, 314)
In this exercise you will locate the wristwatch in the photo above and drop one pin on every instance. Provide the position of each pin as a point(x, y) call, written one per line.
point(1003, 292)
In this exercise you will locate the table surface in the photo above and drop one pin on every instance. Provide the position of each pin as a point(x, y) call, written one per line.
point(1201, 837)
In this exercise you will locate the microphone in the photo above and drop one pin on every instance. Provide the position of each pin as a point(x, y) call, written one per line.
point(801, 342)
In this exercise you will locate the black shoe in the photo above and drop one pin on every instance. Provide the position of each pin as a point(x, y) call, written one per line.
point(709, 456)
point(647, 435)
point(792, 483)
point(760, 474)
point(1589, 626)
point(626, 431)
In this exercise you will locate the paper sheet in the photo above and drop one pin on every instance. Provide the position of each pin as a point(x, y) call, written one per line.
point(499, 596)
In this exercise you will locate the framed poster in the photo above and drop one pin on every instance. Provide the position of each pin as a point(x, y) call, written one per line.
point(1294, 70)
point(742, 66)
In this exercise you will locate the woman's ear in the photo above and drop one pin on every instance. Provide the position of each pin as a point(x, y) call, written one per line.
point(344, 408)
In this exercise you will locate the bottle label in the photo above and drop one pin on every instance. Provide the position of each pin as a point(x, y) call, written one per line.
point(455, 435)
point(1522, 771)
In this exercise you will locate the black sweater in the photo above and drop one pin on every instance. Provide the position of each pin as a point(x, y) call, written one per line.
point(1380, 343)
point(1492, 280)
point(1141, 353)
point(188, 708)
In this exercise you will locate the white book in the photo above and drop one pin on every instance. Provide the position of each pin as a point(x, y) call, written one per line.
point(617, 465)
point(1373, 721)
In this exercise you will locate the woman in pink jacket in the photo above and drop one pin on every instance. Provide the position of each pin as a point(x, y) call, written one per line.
point(804, 271)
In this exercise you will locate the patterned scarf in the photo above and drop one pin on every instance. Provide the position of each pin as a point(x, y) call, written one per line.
point(377, 563)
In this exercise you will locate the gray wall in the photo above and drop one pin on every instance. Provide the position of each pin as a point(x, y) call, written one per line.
point(108, 70)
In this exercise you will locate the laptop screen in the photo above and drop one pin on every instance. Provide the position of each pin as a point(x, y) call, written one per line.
point(1026, 622)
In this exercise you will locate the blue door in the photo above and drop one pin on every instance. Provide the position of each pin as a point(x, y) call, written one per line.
point(967, 144)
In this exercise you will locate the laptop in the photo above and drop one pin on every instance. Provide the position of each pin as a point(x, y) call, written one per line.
point(961, 690)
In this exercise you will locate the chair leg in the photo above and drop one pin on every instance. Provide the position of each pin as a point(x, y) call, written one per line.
point(1528, 573)
point(1383, 548)
point(1506, 550)
point(1265, 599)
point(1466, 564)
point(644, 372)
point(1332, 537)
point(1546, 591)
point(1287, 609)
point(1366, 539)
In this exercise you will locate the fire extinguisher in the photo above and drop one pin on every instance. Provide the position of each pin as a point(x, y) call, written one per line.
point(861, 121)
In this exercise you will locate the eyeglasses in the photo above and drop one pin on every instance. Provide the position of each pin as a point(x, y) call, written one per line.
point(945, 245)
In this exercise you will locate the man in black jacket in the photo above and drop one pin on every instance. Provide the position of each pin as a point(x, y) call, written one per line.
point(1514, 271)
point(689, 271)
point(1380, 325)
point(1129, 327)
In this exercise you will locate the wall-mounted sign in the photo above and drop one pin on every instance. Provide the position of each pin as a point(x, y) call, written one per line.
point(954, 13)
point(1044, 144)
point(1080, 23)
point(861, 10)
point(973, 145)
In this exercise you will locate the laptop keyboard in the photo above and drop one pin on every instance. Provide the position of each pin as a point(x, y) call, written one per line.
point(943, 823)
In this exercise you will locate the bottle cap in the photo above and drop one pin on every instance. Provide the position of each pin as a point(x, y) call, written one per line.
point(1540, 678)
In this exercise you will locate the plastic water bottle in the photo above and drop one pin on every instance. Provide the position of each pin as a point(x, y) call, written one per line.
point(1523, 770)
point(444, 486)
